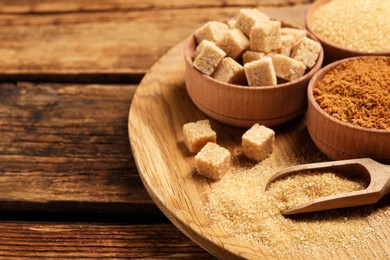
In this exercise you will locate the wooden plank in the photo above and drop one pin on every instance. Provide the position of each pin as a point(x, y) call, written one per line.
point(92, 241)
point(82, 46)
point(62, 6)
point(65, 147)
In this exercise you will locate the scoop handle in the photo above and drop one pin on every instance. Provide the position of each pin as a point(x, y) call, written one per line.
point(386, 187)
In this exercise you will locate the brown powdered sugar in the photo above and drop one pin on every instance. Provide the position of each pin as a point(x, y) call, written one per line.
point(357, 92)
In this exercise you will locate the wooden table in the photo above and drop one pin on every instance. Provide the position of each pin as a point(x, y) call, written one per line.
point(69, 186)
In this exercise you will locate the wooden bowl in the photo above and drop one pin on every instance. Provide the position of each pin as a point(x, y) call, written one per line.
point(340, 140)
point(332, 51)
point(242, 105)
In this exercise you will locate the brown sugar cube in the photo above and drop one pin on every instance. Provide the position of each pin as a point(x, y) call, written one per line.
point(271, 53)
point(234, 43)
point(260, 72)
point(306, 51)
point(257, 142)
point(248, 17)
point(230, 71)
point(265, 36)
point(249, 56)
point(212, 31)
point(208, 57)
point(213, 161)
point(198, 48)
point(298, 34)
point(287, 68)
point(232, 23)
point(198, 134)
point(287, 42)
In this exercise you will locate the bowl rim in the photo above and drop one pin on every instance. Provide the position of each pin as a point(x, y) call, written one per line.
point(190, 43)
point(317, 4)
point(319, 75)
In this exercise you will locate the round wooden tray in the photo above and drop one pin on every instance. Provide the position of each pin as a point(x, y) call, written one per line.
point(159, 109)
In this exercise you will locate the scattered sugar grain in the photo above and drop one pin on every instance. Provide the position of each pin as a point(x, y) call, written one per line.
point(240, 205)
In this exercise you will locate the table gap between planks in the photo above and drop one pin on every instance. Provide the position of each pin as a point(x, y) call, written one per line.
point(69, 186)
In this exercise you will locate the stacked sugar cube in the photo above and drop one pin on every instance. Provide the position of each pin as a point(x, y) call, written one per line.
point(253, 49)
point(213, 160)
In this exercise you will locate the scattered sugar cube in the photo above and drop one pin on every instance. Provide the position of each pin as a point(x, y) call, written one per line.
point(265, 36)
point(248, 17)
point(249, 56)
point(209, 55)
point(260, 72)
point(306, 51)
point(213, 161)
point(287, 43)
point(257, 142)
point(287, 68)
point(298, 34)
point(234, 43)
point(198, 134)
point(212, 31)
point(230, 71)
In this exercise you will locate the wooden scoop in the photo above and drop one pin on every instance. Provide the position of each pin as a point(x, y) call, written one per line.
point(376, 174)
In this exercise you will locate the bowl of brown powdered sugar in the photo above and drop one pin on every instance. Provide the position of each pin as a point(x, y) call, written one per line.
point(349, 108)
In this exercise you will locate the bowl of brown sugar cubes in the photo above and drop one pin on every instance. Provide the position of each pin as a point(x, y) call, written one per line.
point(349, 108)
point(350, 28)
point(251, 69)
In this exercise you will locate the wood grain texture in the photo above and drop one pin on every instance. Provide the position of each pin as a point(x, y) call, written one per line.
point(63, 6)
point(103, 45)
point(95, 241)
point(65, 147)
point(159, 109)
